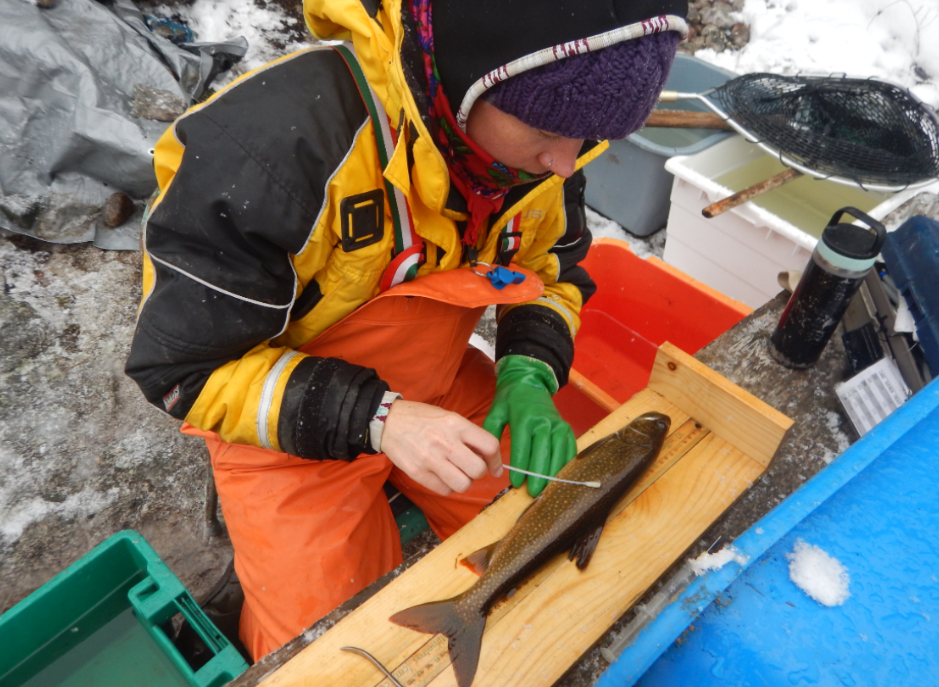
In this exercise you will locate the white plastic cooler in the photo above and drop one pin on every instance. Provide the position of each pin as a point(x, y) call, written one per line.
point(741, 251)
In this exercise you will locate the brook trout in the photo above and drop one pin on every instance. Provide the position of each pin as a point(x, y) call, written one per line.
point(564, 516)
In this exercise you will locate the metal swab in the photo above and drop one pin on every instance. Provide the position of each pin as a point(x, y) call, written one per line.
point(594, 485)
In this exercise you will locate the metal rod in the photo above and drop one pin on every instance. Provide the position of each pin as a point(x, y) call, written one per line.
point(378, 664)
point(593, 485)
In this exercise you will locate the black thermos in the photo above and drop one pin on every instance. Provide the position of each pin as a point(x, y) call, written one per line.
point(843, 257)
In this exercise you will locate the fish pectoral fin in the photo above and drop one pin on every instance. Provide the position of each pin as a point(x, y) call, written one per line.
point(478, 561)
point(585, 546)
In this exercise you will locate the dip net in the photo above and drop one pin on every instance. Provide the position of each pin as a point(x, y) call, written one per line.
point(865, 131)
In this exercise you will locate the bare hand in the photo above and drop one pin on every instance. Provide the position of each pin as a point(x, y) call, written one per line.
point(438, 449)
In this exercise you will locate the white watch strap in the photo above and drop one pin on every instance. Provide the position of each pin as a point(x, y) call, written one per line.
point(377, 424)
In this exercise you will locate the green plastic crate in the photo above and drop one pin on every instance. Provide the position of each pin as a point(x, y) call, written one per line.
point(411, 523)
point(104, 620)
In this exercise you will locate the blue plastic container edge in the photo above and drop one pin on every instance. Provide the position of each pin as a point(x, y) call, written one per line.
point(675, 618)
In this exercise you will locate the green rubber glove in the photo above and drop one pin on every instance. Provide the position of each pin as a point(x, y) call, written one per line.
point(541, 441)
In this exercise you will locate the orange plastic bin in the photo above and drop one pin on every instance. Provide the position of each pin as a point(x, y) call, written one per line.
point(639, 304)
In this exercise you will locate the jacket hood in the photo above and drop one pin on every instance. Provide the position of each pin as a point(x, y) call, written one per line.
point(375, 29)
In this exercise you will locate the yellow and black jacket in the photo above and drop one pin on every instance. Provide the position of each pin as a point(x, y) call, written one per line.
point(245, 258)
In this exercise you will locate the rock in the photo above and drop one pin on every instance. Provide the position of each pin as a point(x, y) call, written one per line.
point(84, 455)
point(116, 209)
point(739, 35)
point(21, 210)
point(25, 337)
point(718, 15)
point(156, 104)
point(714, 38)
point(712, 25)
point(692, 46)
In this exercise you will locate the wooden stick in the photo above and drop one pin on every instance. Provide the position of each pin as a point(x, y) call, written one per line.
point(592, 391)
point(751, 192)
point(686, 119)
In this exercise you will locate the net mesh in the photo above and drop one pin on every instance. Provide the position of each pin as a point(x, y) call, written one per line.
point(865, 131)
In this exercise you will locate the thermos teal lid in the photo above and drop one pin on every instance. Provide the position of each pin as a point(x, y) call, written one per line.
point(852, 246)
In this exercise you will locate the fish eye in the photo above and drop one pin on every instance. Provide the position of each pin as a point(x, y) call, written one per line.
point(662, 424)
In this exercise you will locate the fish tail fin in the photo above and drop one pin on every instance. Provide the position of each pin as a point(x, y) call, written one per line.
point(463, 630)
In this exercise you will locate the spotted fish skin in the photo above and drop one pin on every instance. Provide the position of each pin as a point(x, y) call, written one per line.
point(564, 516)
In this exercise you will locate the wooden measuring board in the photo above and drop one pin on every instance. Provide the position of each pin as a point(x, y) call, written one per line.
point(721, 440)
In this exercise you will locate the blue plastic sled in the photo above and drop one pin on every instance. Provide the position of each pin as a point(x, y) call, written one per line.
point(875, 509)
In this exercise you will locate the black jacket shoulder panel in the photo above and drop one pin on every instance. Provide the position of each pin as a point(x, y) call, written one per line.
point(254, 173)
point(296, 119)
point(176, 345)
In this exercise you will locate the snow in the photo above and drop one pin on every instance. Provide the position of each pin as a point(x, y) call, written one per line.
point(268, 30)
point(707, 562)
point(818, 574)
point(17, 517)
point(892, 40)
point(603, 227)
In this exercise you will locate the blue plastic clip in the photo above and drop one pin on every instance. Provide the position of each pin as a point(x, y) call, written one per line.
point(500, 277)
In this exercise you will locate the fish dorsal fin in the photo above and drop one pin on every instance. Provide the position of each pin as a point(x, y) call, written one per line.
point(478, 561)
point(585, 545)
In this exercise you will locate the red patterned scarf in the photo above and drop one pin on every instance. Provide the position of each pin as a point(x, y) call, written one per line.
point(481, 179)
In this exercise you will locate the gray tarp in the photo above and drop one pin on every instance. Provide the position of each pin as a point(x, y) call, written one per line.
point(68, 135)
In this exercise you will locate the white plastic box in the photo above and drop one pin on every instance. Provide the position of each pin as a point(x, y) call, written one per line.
point(741, 252)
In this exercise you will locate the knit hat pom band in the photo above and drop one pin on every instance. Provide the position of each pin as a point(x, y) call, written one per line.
point(593, 89)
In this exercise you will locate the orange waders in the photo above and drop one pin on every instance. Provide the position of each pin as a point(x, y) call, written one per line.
point(309, 534)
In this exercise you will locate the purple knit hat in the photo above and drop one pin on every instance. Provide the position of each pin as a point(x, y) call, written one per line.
point(596, 95)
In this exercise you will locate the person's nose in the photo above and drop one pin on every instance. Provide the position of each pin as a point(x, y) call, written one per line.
point(561, 156)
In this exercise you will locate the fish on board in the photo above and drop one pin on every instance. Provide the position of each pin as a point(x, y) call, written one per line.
point(564, 516)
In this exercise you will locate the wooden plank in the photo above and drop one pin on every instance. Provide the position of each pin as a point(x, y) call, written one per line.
point(694, 479)
point(727, 410)
point(526, 647)
point(439, 575)
point(430, 659)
